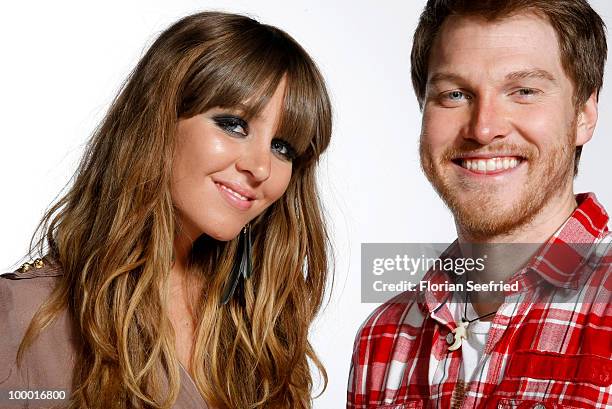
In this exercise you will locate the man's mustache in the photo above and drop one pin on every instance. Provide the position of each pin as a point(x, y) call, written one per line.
point(468, 150)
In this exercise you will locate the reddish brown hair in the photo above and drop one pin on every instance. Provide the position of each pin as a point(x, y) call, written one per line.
point(580, 30)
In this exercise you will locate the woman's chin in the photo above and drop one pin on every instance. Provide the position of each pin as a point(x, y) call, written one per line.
point(224, 235)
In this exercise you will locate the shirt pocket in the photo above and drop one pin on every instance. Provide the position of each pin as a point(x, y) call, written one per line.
point(412, 404)
point(585, 368)
point(530, 404)
point(540, 379)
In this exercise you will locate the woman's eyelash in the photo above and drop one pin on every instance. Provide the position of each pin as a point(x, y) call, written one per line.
point(284, 148)
point(236, 125)
point(232, 124)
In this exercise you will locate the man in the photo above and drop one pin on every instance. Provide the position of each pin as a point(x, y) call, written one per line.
point(508, 91)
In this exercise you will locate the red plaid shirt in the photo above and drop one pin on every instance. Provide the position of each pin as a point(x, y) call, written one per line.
point(551, 352)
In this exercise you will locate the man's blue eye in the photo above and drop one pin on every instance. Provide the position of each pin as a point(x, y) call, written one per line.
point(232, 124)
point(283, 148)
point(455, 95)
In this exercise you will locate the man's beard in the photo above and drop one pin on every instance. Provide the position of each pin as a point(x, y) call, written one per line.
point(483, 218)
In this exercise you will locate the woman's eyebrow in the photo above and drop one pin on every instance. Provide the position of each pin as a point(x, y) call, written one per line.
point(244, 110)
point(237, 108)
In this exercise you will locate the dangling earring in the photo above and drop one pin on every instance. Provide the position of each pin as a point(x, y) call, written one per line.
point(242, 264)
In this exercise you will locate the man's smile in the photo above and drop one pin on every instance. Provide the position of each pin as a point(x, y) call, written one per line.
point(491, 165)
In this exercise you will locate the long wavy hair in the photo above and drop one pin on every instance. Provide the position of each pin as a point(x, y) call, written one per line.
point(112, 232)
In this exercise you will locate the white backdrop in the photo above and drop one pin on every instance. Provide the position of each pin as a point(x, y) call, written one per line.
point(62, 62)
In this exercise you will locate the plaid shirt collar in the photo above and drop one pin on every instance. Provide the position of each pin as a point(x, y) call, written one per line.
point(589, 214)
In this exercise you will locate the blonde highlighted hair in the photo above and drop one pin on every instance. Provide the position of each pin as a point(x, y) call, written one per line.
point(113, 232)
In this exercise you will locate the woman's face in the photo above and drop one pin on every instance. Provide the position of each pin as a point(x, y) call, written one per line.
point(227, 171)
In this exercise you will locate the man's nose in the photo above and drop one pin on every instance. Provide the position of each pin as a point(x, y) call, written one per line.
point(489, 120)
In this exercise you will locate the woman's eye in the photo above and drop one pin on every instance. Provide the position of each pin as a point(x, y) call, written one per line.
point(232, 124)
point(284, 149)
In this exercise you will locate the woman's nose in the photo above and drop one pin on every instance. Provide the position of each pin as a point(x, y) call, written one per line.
point(256, 160)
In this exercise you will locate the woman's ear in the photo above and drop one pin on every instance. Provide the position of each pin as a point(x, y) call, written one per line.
point(587, 119)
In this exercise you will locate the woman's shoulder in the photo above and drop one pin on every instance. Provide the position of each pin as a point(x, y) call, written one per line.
point(22, 292)
point(36, 268)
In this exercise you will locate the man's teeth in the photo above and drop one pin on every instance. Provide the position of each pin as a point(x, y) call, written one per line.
point(238, 195)
point(490, 165)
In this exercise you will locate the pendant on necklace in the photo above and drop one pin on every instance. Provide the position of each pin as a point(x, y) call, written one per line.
point(460, 333)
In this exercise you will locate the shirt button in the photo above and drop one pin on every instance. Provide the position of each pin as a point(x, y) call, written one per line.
point(450, 338)
point(539, 406)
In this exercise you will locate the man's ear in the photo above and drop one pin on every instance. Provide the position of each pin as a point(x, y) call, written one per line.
point(587, 118)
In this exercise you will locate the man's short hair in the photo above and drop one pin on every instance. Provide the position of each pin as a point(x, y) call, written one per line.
point(580, 31)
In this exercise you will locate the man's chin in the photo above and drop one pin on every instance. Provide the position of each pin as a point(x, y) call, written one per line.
point(486, 227)
point(490, 218)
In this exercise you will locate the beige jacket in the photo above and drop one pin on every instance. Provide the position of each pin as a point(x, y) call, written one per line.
point(47, 367)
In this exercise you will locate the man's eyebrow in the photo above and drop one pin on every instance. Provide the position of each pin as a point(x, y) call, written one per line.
point(515, 75)
point(444, 76)
point(535, 73)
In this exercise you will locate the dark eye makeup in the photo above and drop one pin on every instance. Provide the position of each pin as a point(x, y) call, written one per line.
point(232, 124)
point(236, 126)
point(284, 148)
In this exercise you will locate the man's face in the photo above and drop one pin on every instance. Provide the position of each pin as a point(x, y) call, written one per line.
point(499, 123)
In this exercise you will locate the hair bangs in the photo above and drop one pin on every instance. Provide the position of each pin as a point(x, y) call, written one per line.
point(301, 120)
point(306, 120)
point(241, 71)
point(245, 75)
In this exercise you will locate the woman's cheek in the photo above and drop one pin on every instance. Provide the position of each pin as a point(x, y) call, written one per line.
point(279, 181)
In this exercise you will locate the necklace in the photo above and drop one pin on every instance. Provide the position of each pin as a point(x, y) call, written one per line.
point(460, 333)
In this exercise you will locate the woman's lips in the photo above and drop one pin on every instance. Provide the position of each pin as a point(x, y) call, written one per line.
point(234, 198)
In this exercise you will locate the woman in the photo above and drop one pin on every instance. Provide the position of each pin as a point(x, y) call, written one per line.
point(189, 257)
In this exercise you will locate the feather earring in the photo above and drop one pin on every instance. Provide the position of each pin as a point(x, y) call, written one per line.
point(243, 266)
